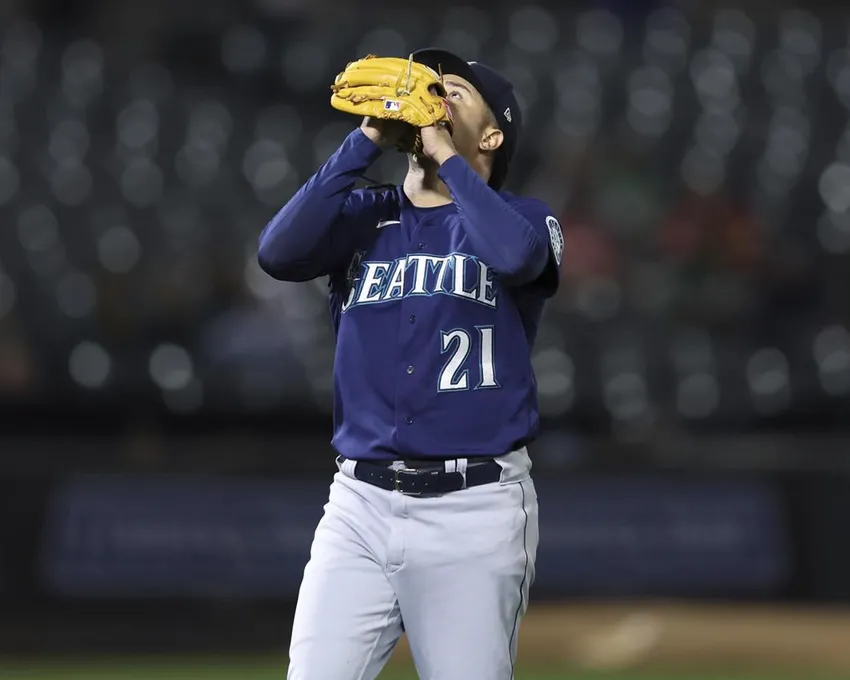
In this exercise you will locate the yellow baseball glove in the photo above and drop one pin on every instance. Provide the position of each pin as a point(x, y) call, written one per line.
point(392, 88)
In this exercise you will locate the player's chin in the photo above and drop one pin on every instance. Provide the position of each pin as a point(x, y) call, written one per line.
point(407, 139)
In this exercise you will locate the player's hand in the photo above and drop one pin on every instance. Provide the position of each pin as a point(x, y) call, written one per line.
point(386, 133)
point(437, 143)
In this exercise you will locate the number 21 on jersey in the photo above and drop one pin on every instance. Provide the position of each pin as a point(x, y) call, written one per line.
point(458, 344)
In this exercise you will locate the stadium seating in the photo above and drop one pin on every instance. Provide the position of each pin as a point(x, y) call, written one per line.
point(700, 167)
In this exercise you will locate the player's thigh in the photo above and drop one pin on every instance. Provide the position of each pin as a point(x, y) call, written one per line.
point(347, 619)
point(463, 600)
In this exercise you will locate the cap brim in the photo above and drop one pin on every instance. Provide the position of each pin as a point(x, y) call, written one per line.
point(447, 63)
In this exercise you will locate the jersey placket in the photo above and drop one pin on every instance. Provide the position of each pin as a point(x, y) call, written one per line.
point(410, 331)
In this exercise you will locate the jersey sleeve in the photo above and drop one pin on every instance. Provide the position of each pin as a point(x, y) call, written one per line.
point(317, 229)
point(501, 236)
point(543, 219)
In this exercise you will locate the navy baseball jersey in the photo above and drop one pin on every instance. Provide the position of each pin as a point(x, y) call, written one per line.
point(435, 309)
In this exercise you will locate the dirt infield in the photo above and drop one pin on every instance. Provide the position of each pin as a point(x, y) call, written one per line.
point(676, 635)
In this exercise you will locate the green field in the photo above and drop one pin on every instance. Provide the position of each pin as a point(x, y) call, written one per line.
point(275, 670)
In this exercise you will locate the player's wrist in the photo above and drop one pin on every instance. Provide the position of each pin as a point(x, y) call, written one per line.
point(442, 156)
point(374, 135)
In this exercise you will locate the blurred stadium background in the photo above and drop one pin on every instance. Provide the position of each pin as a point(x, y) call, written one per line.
point(164, 406)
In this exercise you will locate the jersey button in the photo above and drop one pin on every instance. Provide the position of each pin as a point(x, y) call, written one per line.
point(412, 318)
point(410, 370)
point(409, 420)
point(421, 246)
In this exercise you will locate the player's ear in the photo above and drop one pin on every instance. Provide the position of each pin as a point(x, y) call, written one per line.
point(491, 139)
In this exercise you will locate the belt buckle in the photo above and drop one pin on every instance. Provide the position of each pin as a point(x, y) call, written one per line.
point(397, 482)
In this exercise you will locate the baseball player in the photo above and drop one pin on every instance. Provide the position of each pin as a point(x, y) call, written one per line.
point(436, 291)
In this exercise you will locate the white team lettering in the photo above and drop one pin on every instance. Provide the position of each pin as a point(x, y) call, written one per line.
point(395, 287)
point(373, 278)
point(442, 268)
point(485, 285)
point(350, 299)
point(373, 282)
point(460, 270)
point(420, 268)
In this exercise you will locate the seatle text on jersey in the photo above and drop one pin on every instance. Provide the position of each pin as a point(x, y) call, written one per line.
point(457, 274)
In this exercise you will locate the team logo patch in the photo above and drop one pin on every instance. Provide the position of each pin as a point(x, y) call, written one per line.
point(392, 105)
point(556, 238)
point(353, 271)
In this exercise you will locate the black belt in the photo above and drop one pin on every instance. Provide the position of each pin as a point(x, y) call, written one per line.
point(424, 481)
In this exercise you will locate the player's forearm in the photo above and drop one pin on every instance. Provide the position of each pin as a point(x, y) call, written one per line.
point(298, 244)
point(502, 238)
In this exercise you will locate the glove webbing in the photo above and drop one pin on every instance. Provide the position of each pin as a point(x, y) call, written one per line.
point(374, 184)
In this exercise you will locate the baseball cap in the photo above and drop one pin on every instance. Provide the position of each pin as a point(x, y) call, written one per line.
point(495, 89)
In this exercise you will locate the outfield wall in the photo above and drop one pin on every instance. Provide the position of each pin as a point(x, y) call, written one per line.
point(198, 563)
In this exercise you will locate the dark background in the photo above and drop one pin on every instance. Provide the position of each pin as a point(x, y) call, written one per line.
point(165, 407)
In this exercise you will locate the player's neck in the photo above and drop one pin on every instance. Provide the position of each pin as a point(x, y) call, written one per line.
point(423, 188)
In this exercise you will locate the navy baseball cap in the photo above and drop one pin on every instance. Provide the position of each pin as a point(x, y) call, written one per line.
point(496, 90)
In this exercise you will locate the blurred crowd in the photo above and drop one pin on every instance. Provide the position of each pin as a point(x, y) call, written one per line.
point(699, 160)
